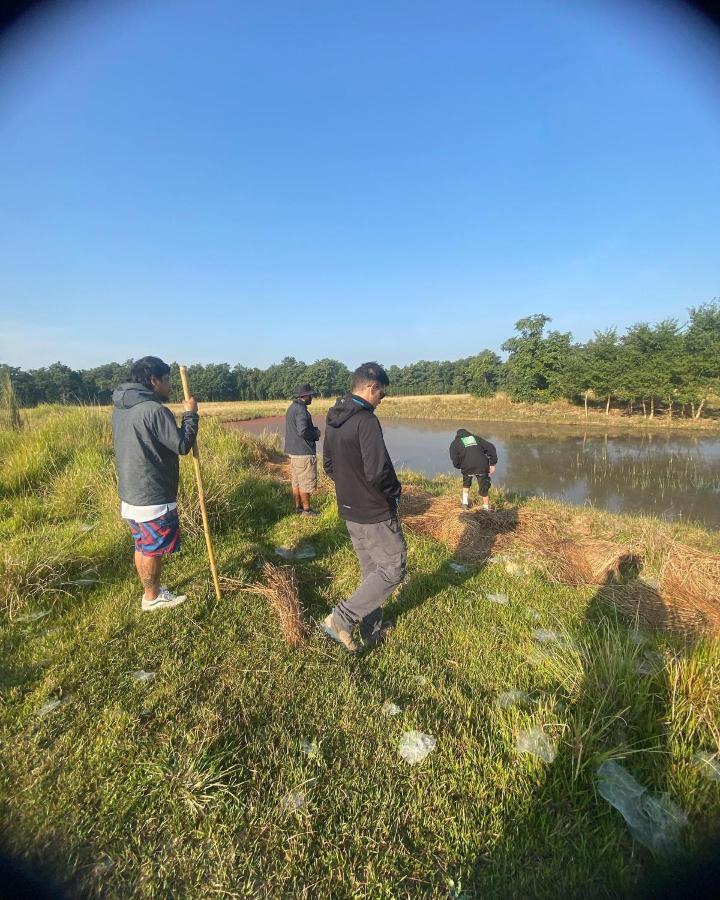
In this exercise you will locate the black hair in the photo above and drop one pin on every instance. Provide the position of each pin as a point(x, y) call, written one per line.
point(146, 367)
point(370, 373)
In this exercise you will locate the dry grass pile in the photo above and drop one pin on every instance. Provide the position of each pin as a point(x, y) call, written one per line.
point(279, 588)
point(690, 580)
point(570, 558)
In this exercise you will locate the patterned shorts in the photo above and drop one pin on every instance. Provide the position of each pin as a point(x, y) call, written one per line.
point(158, 537)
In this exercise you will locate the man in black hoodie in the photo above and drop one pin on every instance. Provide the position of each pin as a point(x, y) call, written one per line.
point(301, 436)
point(147, 443)
point(368, 492)
point(474, 456)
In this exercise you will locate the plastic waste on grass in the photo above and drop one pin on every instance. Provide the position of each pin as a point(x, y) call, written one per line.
point(535, 742)
point(654, 820)
point(708, 764)
point(548, 636)
point(651, 663)
point(51, 705)
point(415, 746)
point(309, 748)
point(294, 801)
point(33, 616)
point(502, 599)
point(302, 551)
point(391, 709)
point(512, 697)
point(458, 567)
point(142, 675)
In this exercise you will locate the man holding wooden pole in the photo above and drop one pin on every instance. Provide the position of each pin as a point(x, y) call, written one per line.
point(147, 444)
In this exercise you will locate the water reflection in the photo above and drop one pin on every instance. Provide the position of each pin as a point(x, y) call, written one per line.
point(673, 474)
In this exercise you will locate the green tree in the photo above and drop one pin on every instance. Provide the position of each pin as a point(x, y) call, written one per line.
point(701, 345)
point(328, 376)
point(535, 369)
point(484, 371)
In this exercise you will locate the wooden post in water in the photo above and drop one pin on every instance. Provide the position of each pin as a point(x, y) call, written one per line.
point(201, 494)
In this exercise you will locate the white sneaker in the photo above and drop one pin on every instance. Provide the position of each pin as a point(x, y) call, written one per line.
point(164, 600)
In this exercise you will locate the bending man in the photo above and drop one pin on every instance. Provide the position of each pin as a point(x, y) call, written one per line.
point(368, 492)
point(147, 444)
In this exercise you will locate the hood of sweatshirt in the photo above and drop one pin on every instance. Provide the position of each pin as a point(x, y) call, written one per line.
point(345, 408)
point(462, 432)
point(130, 394)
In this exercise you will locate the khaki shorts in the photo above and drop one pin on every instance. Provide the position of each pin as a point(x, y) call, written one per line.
point(304, 473)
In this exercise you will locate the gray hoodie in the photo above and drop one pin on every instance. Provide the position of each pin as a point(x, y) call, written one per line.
point(147, 442)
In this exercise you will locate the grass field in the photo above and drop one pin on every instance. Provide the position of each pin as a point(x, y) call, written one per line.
point(466, 406)
point(245, 768)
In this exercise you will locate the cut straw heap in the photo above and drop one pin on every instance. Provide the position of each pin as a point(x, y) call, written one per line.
point(577, 560)
point(279, 588)
point(687, 598)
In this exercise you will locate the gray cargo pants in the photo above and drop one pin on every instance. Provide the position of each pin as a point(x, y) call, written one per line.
point(382, 552)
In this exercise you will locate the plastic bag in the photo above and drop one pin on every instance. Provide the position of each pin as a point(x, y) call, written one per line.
point(512, 697)
point(391, 709)
point(305, 551)
point(415, 746)
point(708, 764)
point(294, 801)
point(651, 663)
point(302, 551)
point(309, 748)
point(142, 675)
point(51, 705)
point(458, 567)
point(33, 616)
point(654, 821)
point(502, 599)
point(535, 742)
point(548, 636)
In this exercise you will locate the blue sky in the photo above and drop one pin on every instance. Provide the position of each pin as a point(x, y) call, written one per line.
point(241, 181)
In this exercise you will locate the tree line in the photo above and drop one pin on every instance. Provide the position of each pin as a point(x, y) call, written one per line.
point(669, 367)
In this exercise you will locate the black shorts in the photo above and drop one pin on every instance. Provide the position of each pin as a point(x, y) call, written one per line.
point(482, 480)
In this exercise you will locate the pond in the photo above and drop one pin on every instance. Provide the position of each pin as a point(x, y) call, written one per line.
point(672, 475)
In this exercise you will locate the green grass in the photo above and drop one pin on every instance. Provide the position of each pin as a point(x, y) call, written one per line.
point(196, 783)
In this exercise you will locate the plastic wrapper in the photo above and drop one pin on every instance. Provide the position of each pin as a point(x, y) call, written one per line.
point(415, 746)
point(655, 821)
point(513, 697)
point(535, 742)
point(708, 764)
point(143, 676)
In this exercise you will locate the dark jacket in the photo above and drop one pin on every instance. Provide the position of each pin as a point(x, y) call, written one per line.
point(147, 443)
point(300, 433)
point(471, 454)
point(355, 457)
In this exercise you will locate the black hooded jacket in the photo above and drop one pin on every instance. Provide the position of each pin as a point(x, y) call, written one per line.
point(300, 433)
point(356, 459)
point(474, 456)
point(147, 443)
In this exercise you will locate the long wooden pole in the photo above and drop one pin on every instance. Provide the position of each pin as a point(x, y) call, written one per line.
point(201, 494)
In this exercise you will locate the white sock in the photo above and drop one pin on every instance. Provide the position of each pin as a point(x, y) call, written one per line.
point(466, 496)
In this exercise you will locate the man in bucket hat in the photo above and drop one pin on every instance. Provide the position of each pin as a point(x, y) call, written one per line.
point(301, 436)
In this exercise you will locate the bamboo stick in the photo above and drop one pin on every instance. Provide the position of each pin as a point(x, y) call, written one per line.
point(201, 494)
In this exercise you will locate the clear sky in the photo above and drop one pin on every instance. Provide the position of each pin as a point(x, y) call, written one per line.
point(242, 180)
